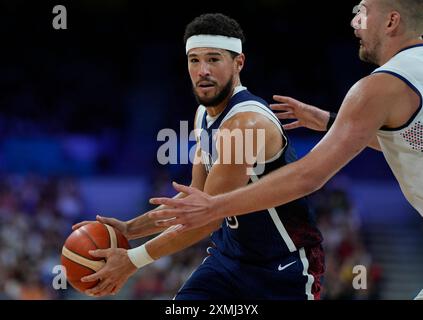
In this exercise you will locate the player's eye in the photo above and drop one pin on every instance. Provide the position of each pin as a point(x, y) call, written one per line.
point(193, 60)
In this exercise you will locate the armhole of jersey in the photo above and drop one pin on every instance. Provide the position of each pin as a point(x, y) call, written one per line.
point(199, 114)
point(406, 80)
point(254, 106)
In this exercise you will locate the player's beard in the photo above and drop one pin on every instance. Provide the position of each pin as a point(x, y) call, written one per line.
point(370, 54)
point(218, 98)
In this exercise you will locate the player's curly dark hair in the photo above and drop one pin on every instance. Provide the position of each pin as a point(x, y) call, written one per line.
point(215, 24)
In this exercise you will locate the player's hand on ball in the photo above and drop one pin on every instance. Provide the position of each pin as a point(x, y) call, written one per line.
point(113, 275)
point(118, 224)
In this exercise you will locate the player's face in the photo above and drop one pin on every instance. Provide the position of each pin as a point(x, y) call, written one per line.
point(368, 24)
point(212, 74)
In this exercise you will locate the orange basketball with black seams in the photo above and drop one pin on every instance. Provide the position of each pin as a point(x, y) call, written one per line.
point(75, 257)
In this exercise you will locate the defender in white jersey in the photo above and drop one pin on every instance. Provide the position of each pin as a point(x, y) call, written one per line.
point(383, 110)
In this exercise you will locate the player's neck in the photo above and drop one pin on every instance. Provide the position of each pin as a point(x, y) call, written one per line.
point(393, 48)
point(218, 109)
point(214, 111)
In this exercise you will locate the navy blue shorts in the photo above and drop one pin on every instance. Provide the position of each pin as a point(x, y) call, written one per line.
point(296, 277)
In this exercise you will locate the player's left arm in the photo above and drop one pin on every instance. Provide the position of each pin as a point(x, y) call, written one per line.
point(368, 106)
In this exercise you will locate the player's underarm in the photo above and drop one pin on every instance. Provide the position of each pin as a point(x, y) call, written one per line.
point(374, 144)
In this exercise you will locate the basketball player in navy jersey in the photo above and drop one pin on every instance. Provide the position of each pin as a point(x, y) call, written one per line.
point(383, 110)
point(273, 253)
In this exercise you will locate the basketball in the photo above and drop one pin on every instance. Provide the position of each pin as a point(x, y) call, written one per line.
point(76, 259)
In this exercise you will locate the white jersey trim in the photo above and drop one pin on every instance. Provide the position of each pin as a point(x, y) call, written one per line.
point(413, 85)
point(278, 224)
point(255, 106)
point(310, 278)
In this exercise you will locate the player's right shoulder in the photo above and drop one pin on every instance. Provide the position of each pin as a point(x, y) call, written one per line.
point(375, 89)
point(199, 113)
point(379, 83)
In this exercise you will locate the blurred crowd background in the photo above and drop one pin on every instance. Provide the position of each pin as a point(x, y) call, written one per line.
point(36, 214)
point(80, 110)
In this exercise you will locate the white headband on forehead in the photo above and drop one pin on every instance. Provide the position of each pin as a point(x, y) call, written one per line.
point(214, 41)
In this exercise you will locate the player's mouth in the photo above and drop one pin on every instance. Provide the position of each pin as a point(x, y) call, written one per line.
point(205, 85)
point(357, 35)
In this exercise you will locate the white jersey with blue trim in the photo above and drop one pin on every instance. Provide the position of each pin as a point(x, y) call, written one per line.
point(403, 147)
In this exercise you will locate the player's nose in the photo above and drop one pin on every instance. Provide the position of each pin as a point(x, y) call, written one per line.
point(204, 70)
point(355, 22)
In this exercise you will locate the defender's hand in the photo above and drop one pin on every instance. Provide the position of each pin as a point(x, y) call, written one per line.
point(193, 211)
point(307, 115)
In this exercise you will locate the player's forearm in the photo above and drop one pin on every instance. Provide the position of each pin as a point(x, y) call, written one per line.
point(164, 245)
point(143, 226)
point(330, 118)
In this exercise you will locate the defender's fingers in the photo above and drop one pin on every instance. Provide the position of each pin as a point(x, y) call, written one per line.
point(280, 107)
point(286, 115)
point(170, 222)
point(162, 214)
point(165, 201)
point(284, 99)
point(185, 189)
point(292, 125)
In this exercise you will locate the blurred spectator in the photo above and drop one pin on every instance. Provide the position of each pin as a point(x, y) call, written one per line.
point(344, 247)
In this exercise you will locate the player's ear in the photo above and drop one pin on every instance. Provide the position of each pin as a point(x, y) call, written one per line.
point(393, 22)
point(239, 60)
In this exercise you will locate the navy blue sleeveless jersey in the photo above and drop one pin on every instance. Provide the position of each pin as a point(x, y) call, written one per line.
point(269, 254)
point(268, 235)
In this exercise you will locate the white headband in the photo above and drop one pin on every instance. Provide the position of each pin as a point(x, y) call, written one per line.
point(214, 41)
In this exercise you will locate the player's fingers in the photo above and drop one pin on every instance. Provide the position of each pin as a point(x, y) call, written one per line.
point(162, 214)
point(285, 99)
point(280, 107)
point(286, 115)
point(164, 201)
point(80, 224)
point(169, 222)
point(292, 125)
point(99, 289)
point(100, 253)
point(116, 289)
point(105, 220)
point(107, 290)
point(93, 277)
point(185, 189)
